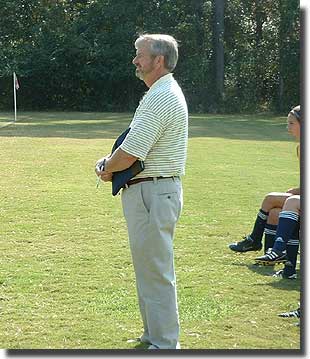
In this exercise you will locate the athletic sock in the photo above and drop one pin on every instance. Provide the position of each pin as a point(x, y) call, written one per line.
point(292, 247)
point(270, 235)
point(259, 226)
point(288, 221)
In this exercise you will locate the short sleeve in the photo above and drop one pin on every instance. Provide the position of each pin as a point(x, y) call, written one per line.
point(146, 129)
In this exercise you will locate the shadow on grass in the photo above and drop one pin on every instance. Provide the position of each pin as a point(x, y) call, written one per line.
point(66, 125)
point(263, 270)
point(267, 271)
point(141, 346)
point(284, 284)
point(94, 125)
point(279, 283)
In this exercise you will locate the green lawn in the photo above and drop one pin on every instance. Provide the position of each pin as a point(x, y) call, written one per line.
point(66, 277)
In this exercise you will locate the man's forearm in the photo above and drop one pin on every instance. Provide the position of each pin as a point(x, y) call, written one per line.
point(120, 160)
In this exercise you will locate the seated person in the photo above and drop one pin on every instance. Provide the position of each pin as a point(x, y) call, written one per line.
point(267, 217)
point(287, 239)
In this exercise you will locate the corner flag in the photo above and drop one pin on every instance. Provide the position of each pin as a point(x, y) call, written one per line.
point(16, 82)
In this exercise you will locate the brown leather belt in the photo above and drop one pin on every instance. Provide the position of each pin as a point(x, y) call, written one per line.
point(145, 179)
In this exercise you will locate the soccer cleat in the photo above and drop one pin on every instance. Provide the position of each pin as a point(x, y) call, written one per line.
point(291, 314)
point(246, 245)
point(288, 272)
point(272, 257)
point(282, 274)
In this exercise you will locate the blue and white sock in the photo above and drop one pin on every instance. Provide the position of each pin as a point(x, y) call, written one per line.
point(270, 235)
point(292, 247)
point(288, 221)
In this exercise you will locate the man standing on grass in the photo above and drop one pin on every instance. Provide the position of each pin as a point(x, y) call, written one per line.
point(152, 201)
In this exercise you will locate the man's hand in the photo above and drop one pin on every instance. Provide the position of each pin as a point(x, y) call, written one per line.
point(101, 171)
point(106, 176)
point(118, 161)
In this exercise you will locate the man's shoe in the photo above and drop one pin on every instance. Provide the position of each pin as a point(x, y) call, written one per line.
point(178, 346)
point(139, 340)
point(272, 257)
point(281, 274)
point(246, 245)
point(144, 340)
point(288, 272)
point(153, 347)
point(291, 314)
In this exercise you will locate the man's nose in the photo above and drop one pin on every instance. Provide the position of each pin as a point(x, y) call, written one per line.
point(134, 60)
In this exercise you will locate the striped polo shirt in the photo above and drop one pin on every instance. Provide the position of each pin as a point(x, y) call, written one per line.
point(159, 130)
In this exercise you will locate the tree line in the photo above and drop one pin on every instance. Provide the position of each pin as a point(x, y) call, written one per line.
point(234, 56)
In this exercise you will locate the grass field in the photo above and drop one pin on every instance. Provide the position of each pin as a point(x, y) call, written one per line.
point(66, 277)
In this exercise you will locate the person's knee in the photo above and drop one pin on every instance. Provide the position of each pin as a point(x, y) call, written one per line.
point(274, 200)
point(273, 216)
point(292, 204)
point(269, 200)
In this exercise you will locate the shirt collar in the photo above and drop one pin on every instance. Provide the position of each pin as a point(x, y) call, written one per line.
point(166, 78)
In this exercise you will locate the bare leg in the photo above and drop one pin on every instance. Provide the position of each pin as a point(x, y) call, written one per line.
point(292, 204)
point(273, 216)
point(270, 207)
point(274, 200)
point(286, 244)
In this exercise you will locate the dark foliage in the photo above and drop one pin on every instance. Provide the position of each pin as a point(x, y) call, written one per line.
point(76, 55)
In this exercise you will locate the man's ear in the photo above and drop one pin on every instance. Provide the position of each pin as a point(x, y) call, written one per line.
point(160, 61)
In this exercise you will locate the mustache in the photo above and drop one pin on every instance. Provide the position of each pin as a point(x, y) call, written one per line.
point(139, 74)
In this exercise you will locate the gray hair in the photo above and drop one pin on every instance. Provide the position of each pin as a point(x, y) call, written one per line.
point(162, 45)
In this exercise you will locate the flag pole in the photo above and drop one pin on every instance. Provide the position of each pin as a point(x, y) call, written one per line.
point(15, 107)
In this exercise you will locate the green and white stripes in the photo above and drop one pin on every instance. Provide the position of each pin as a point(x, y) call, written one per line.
point(159, 130)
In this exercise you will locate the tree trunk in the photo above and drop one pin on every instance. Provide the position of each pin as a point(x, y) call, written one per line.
point(219, 46)
point(259, 18)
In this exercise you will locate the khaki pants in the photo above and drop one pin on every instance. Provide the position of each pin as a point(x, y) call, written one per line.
point(152, 210)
